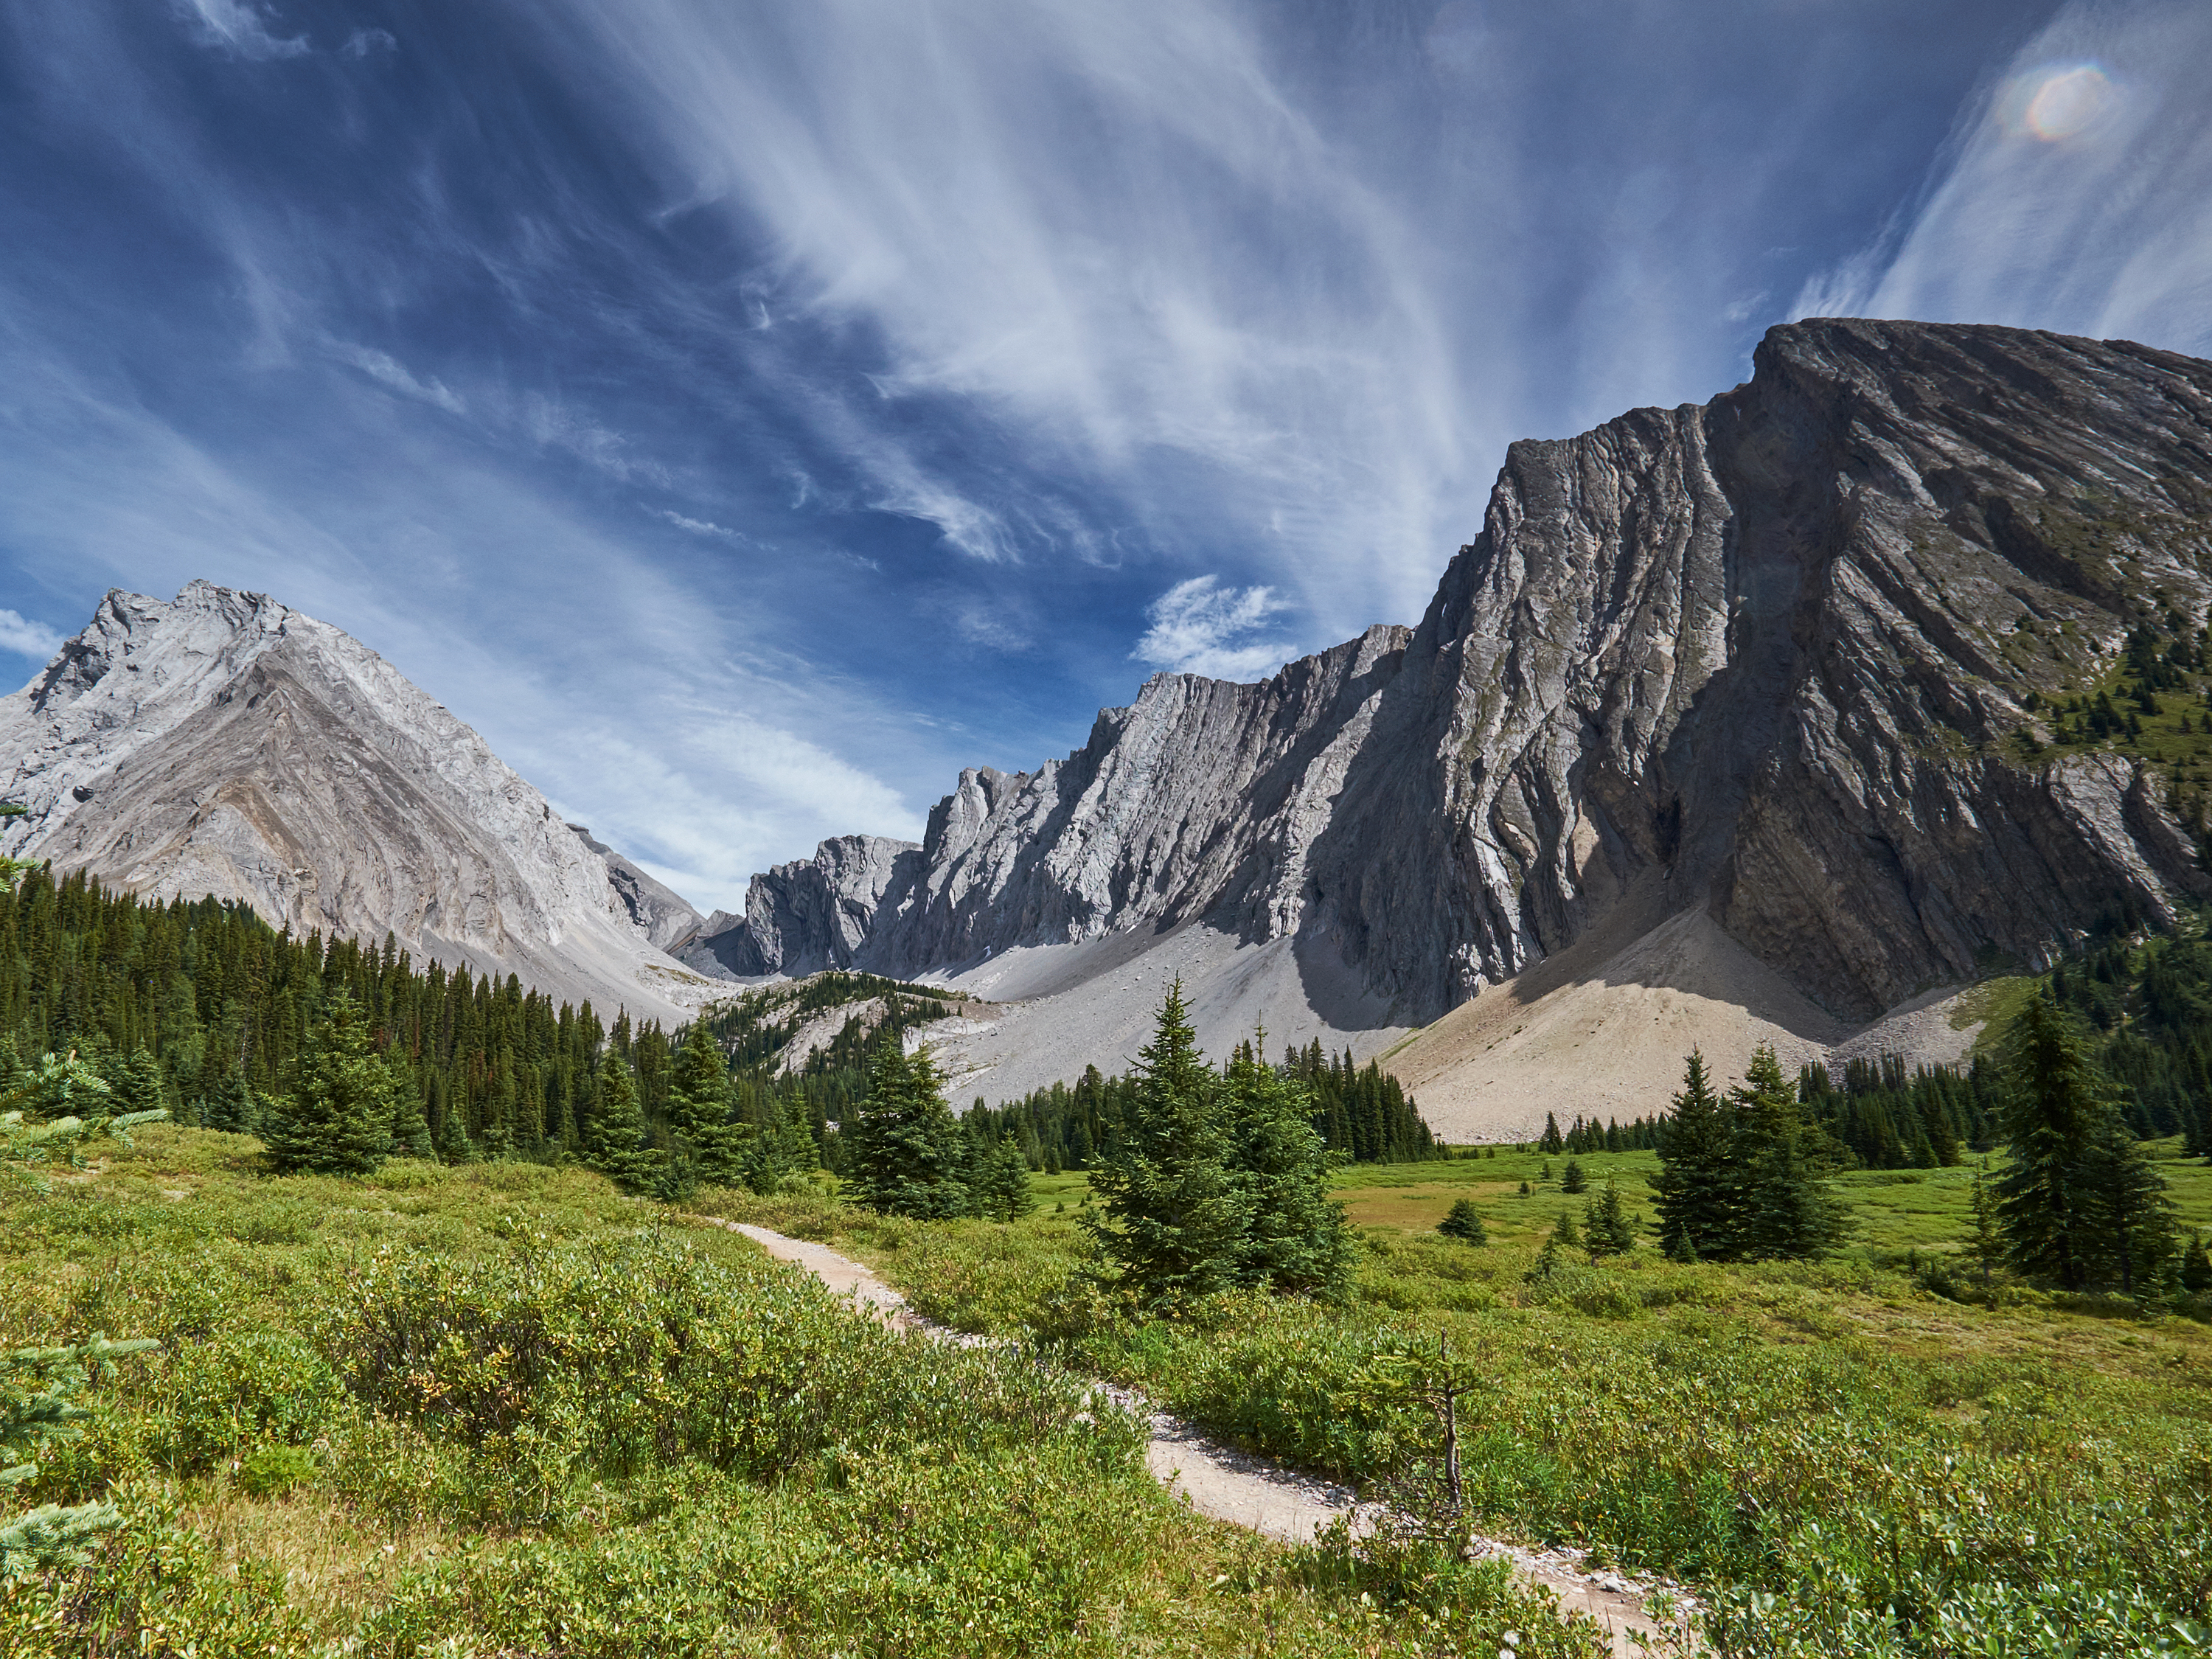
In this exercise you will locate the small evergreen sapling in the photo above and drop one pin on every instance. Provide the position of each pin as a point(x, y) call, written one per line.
point(1574, 1181)
point(1000, 1189)
point(338, 1118)
point(1606, 1226)
point(1464, 1222)
point(1296, 1239)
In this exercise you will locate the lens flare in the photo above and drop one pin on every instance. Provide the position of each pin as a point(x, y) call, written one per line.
point(2060, 101)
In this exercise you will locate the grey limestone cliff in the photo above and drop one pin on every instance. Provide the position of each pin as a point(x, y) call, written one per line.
point(1774, 657)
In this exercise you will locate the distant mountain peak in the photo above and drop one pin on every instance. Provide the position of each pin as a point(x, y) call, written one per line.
point(222, 743)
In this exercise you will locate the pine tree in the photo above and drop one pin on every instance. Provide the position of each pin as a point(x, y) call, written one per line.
point(1296, 1239)
point(1787, 1208)
point(410, 1129)
point(905, 1154)
point(1606, 1225)
point(1698, 1195)
point(1574, 1181)
point(1171, 1217)
point(2050, 1117)
point(614, 1140)
point(2130, 1216)
point(1552, 1141)
point(235, 1108)
point(338, 1118)
point(1464, 1222)
point(1000, 1188)
point(138, 1084)
point(2196, 1266)
point(700, 1099)
point(1986, 1241)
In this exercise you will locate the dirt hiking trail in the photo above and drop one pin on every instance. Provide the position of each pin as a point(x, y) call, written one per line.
point(1223, 1484)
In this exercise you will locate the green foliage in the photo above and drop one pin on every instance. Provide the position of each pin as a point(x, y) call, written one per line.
point(701, 1104)
point(1745, 1178)
point(1607, 1228)
point(614, 1136)
point(336, 1119)
point(1295, 1237)
point(999, 1189)
point(904, 1154)
point(1172, 1219)
point(1573, 1180)
point(1464, 1222)
point(38, 1407)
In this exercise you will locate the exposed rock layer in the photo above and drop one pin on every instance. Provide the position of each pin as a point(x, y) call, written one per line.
point(1767, 658)
point(226, 744)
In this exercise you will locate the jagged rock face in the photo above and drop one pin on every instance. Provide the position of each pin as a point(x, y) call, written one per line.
point(660, 912)
point(1200, 799)
point(225, 744)
point(805, 916)
point(1768, 656)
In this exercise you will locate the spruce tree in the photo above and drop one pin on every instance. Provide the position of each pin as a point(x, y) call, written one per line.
point(1552, 1141)
point(700, 1099)
point(999, 1190)
point(1170, 1215)
point(1787, 1207)
point(137, 1085)
point(410, 1129)
point(1607, 1227)
point(2051, 1114)
point(2196, 1266)
point(235, 1108)
point(614, 1138)
point(1464, 1222)
point(38, 1390)
point(905, 1154)
point(1574, 1181)
point(338, 1118)
point(2131, 1219)
point(1295, 1237)
point(1697, 1195)
point(1986, 1241)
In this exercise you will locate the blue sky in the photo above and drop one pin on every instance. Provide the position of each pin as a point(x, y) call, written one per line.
point(748, 414)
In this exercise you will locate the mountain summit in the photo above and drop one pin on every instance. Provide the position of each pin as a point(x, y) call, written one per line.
point(223, 744)
point(1734, 724)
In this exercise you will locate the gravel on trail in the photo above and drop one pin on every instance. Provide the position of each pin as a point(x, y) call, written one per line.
point(1225, 1484)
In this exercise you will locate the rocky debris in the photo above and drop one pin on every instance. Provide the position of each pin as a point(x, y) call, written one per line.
point(223, 744)
point(1766, 659)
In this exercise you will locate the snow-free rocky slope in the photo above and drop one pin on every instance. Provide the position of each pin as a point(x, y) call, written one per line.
point(225, 744)
point(1710, 736)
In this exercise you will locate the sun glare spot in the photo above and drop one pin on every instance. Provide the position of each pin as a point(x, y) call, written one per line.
point(2059, 101)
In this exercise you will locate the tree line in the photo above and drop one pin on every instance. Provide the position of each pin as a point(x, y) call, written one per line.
point(1362, 1113)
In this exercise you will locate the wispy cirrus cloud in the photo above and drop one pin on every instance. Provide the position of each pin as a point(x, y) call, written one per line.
point(382, 367)
point(2075, 195)
point(238, 26)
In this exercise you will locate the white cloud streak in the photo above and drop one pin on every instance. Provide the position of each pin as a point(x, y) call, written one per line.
point(27, 638)
point(382, 367)
point(239, 28)
point(1199, 627)
point(2077, 195)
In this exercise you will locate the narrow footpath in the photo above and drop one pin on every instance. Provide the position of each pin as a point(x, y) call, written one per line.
point(1223, 1484)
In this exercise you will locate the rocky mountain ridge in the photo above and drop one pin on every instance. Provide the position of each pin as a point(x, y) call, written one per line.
point(1773, 662)
point(224, 743)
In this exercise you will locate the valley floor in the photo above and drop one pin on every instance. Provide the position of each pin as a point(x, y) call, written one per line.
point(500, 1409)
